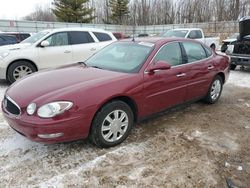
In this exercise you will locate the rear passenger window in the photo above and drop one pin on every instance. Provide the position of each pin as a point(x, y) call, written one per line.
point(170, 53)
point(102, 36)
point(194, 51)
point(80, 37)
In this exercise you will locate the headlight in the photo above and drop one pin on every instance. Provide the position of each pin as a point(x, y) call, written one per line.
point(4, 54)
point(31, 109)
point(53, 109)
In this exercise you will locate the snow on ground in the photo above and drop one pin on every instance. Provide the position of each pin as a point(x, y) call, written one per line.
point(240, 78)
point(185, 148)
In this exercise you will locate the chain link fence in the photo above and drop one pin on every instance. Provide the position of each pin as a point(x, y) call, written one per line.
point(221, 29)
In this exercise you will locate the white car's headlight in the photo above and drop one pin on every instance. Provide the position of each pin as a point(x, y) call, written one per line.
point(31, 109)
point(52, 109)
point(4, 54)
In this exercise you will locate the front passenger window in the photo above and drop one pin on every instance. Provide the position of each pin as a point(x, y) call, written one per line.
point(170, 53)
point(58, 39)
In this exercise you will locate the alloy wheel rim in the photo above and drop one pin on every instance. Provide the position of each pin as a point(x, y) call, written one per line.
point(215, 90)
point(21, 71)
point(114, 125)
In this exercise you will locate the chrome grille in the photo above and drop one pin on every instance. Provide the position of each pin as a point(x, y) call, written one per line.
point(11, 106)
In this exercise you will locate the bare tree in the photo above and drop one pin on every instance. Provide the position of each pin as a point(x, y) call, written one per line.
point(41, 13)
point(157, 12)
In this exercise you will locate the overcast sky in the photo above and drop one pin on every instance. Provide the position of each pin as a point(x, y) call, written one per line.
point(16, 9)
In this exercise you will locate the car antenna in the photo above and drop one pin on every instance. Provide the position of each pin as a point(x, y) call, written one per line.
point(134, 26)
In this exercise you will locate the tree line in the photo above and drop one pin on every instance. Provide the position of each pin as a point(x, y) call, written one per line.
point(141, 12)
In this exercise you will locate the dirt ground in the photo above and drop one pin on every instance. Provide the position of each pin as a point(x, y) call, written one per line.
point(196, 145)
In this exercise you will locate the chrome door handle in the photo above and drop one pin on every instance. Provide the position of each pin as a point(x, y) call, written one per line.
point(210, 67)
point(93, 49)
point(67, 51)
point(181, 75)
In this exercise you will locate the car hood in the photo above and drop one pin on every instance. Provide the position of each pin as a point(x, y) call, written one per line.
point(229, 40)
point(57, 82)
point(14, 47)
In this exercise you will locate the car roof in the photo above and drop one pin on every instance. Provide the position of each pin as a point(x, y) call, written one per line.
point(157, 40)
point(7, 35)
point(12, 32)
point(76, 29)
point(186, 29)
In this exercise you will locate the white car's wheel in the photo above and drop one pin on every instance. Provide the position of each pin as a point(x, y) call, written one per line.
point(19, 69)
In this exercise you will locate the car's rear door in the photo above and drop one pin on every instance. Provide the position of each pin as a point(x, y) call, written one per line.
point(200, 69)
point(103, 39)
point(165, 88)
point(58, 52)
point(83, 45)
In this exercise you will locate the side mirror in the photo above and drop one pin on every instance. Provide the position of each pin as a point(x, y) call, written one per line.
point(44, 43)
point(158, 66)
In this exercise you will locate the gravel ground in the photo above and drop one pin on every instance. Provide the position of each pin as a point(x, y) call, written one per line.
point(195, 145)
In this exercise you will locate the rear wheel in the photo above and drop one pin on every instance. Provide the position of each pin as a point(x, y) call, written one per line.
point(112, 124)
point(214, 91)
point(19, 69)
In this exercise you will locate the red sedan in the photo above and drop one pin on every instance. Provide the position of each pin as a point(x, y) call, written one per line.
point(103, 97)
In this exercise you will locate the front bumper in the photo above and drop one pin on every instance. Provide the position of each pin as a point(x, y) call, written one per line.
point(3, 72)
point(49, 130)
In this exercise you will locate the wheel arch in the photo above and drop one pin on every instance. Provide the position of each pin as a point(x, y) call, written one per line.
point(128, 100)
point(222, 75)
point(27, 60)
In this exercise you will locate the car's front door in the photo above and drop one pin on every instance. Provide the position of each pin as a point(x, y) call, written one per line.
point(57, 53)
point(165, 88)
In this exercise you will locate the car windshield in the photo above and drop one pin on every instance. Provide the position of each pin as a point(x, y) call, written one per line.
point(121, 56)
point(34, 38)
point(175, 33)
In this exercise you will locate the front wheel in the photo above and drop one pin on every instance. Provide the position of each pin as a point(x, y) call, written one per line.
point(214, 91)
point(112, 124)
point(19, 69)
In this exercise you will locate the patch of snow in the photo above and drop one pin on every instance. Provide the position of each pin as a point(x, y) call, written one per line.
point(240, 168)
point(239, 78)
point(247, 127)
point(196, 134)
point(15, 142)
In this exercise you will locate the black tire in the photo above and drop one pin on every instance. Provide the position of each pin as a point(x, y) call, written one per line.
point(210, 98)
point(97, 134)
point(233, 66)
point(24, 66)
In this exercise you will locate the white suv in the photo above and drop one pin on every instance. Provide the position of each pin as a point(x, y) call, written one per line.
point(51, 48)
